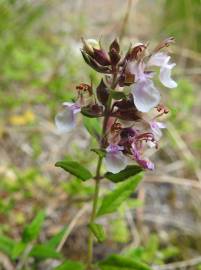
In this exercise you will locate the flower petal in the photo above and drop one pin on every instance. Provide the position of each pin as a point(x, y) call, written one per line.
point(159, 59)
point(137, 69)
point(65, 120)
point(115, 162)
point(114, 148)
point(145, 95)
point(146, 164)
point(73, 106)
point(165, 76)
point(156, 129)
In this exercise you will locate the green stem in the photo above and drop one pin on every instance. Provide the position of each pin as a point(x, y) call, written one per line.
point(97, 177)
point(93, 214)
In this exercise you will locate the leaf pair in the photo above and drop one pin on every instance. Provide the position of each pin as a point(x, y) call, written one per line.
point(78, 170)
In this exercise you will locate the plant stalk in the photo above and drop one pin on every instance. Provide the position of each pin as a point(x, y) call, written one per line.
point(93, 214)
point(97, 176)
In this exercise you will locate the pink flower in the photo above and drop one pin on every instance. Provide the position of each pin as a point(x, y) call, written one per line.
point(65, 120)
point(156, 129)
point(145, 163)
point(115, 160)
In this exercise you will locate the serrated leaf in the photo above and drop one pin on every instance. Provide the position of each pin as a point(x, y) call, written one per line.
point(118, 262)
point(115, 198)
point(98, 231)
point(130, 170)
point(56, 239)
point(117, 95)
point(32, 230)
point(93, 126)
point(75, 169)
point(44, 252)
point(6, 245)
point(69, 265)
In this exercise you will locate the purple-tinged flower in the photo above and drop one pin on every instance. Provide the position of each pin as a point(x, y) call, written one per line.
point(145, 95)
point(162, 60)
point(115, 160)
point(65, 120)
point(156, 129)
point(145, 163)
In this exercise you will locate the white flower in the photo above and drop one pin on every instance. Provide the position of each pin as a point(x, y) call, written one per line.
point(165, 76)
point(145, 95)
point(115, 160)
point(162, 60)
point(65, 120)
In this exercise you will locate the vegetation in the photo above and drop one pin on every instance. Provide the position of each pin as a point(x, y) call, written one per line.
point(44, 211)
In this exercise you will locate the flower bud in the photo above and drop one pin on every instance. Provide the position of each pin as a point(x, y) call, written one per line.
point(102, 93)
point(93, 64)
point(115, 46)
point(137, 51)
point(114, 52)
point(101, 57)
point(89, 45)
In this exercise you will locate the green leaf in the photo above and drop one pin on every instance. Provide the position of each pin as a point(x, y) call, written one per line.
point(18, 249)
point(117, 95)
point(44, 252)
point(115, 198)
point(98, 231)
point(69, 265)
point(100, 152)
point(75, 169)
point(6, 245)
point(56, 239)
point(32, 230)
point(93, 126)
point(118, 262)
point(129, 171)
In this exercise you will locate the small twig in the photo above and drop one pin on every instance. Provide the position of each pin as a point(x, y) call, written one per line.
point(179, 265)
point(72, 225)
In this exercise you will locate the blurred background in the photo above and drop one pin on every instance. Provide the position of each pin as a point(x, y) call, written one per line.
point(40, 66)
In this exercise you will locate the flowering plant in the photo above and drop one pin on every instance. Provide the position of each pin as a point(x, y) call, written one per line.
point(129, 105)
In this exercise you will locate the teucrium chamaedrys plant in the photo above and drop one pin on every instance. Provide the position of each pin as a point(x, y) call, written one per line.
point(129, 119)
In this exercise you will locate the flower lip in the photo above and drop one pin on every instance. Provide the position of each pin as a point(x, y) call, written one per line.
point(115, 160)
point(114, 148)
point(145, 95)
point(65, 120)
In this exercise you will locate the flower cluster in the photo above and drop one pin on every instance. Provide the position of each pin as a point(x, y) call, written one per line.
point(126, 98)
